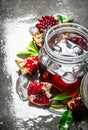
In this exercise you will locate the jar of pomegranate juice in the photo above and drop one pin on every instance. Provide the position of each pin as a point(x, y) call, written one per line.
point(64, 56)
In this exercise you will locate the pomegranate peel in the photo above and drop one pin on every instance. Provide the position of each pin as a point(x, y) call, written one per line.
point(21, 64)
point(39, 93)
point(38, 38)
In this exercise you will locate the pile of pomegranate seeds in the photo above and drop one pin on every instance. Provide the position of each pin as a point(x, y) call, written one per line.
point(45, 22)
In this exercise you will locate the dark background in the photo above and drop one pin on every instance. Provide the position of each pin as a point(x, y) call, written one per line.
point(16, 16)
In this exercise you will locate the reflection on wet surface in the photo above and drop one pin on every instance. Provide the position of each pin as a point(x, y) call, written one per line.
point(15, 19)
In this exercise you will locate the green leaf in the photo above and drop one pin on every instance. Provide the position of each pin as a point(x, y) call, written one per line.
point(69, 18)
point(32, 46)
point(61, 97)
point(66, 120)
point(32, 50)
point(60, 19)
point(58, 106)
point(24, 54)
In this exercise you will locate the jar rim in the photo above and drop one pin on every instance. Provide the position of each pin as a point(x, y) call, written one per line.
point(61, 58)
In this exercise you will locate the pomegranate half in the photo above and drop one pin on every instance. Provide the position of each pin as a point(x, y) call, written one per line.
point(39, 93)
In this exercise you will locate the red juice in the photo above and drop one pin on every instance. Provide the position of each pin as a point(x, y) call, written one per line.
point(57, 82)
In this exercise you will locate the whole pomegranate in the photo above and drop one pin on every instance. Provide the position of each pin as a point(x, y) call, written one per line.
point(39, 93)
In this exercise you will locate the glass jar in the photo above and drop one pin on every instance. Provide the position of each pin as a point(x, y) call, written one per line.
point(84, 89)
point(64, 56)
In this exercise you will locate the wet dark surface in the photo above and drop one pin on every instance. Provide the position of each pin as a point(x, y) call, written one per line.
point(16, 16)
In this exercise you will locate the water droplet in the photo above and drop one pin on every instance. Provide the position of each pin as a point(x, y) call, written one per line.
point(1, 123)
